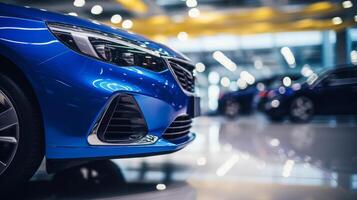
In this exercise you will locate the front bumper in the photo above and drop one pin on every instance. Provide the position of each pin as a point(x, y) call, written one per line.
point(160, 147)
point(75, 99)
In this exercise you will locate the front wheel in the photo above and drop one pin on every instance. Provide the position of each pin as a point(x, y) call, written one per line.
point(301, 110)
point(21, 145)
point(231, 109)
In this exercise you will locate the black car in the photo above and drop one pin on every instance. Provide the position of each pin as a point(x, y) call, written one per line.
point(231, 104)
point(331, 93)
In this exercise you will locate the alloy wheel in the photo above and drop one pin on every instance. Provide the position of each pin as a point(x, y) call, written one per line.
point(302, 108)
point(9, 132)
point(232, 109)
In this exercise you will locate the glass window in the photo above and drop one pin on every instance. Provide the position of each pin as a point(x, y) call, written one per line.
point(344, 74)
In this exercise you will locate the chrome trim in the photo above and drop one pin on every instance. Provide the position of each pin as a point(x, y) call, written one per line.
point(179, 60)
point(93, 139)
point(166, 59)
point(147, 140)
point(178, 133)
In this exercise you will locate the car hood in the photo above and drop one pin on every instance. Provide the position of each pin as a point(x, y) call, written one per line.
point(43, 15)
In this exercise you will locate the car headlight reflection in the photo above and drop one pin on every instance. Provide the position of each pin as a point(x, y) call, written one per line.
point(109, 48)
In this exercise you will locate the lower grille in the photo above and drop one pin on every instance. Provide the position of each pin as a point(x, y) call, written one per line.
point(123, 121)
point(179, 129)
point(184, 75)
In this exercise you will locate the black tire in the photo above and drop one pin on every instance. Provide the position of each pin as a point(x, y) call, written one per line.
point(30, 145)
point(231, 109)
point(301, 110)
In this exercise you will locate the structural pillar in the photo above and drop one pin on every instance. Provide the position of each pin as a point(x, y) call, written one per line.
point(342, 53)
point(327, 49)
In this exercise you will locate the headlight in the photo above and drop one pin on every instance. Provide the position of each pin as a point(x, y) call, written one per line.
point(109, 48)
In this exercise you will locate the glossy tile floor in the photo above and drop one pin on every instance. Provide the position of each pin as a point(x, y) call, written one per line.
point(246, 158)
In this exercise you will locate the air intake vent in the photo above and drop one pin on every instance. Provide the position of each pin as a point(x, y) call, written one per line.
point(179, 129)
point(123, 121)
point(184, 74)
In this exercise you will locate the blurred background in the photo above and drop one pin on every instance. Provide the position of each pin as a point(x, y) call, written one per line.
point(278, 83)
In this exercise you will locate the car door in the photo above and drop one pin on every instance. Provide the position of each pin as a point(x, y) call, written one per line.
point(339, 92)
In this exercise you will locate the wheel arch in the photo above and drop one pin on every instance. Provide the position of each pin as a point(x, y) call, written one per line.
point(10, 69)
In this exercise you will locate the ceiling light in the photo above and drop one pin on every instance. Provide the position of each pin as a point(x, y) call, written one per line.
point(73, 14)
point(96, 10)
point(288, 56)
point(337, 20)
point(79, 3)
point(194, 12)
point(191, 3)
point(306, 70)
point(200, 67)
point(224, 60)
point(127, 24)
point(347, 4)
point(116, 19)
point(287, 81)
point(258, 64)
point(247, 77)
point(213, 95)
point(354, 57)
point(213, 77)
point(183, 36)
point(242, 84)
point(225, 82)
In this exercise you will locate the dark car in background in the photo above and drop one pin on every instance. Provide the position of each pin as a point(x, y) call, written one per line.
point(231, 104)
point(330, 93)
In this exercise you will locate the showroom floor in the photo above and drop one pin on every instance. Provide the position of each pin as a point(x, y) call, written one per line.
point(246, 158)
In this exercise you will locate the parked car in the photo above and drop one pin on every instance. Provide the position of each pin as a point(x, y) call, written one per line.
point(74, 90)
point(231, 104)
point(330, 93)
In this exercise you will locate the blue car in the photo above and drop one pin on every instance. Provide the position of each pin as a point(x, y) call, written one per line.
point(72, 90)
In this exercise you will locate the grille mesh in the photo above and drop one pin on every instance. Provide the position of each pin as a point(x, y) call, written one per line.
point(123, 121)
point(179, 129)
point(184, 74)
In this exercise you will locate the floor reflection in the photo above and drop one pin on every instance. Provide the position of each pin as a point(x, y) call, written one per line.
point(103, 179)
point(248, 158)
